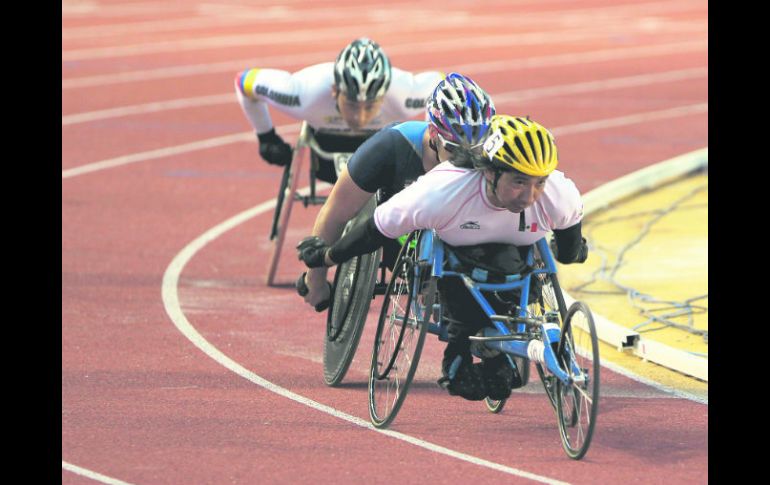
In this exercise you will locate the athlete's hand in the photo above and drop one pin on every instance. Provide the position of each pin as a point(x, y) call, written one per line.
point(312, 252)
point(315, 291)
point(273, 149)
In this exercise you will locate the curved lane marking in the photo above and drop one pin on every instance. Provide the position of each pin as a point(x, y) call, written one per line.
point(173, 308)
point(565, 31)
point(601, 55)
point(91, 474)
point(285, 129)
point(500, 98)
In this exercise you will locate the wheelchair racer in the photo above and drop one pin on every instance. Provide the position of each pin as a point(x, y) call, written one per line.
point(344, 102)
point(459, 113)
point(511, 196)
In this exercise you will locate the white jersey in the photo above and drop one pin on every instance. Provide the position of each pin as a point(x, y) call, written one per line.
point(454, 202)
point(307, 95)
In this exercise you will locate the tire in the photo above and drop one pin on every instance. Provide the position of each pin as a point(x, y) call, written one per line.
point(353, 289)
point(401, 328)
point(494, 406)
point(577, 403)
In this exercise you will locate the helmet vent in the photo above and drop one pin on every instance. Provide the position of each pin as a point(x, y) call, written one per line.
point(531, 144)
point(542, 146)
point(445, 107)
point(509, 152)
point(520, 145)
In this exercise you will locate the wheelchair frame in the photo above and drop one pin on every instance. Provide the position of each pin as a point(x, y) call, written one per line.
point(546, 338)
point(287, 192)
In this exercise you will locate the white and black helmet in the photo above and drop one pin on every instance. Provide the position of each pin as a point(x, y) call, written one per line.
point(362, 70)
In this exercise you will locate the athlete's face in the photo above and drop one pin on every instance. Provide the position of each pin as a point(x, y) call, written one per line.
point(515, 191)
point(358, 114)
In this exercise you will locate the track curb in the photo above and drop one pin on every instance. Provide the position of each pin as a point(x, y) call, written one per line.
point(617, 335)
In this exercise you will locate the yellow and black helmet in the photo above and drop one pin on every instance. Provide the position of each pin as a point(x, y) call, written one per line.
point(522, 144)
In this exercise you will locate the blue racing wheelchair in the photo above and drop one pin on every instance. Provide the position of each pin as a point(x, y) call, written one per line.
point(561, 341)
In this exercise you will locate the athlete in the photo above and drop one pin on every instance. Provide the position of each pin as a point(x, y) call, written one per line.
point(508, 198)
point(459, 113)
point(344, 102)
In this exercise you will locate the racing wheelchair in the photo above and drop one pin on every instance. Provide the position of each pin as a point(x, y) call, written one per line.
point(561, 341)
point(356, 281)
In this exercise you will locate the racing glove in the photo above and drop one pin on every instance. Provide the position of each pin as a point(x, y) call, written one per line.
point(312, 251)
point(580, 256)
point(273, 149)
point(303, 290)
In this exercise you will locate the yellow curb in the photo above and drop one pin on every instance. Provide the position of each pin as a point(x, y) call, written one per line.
point(669, 263)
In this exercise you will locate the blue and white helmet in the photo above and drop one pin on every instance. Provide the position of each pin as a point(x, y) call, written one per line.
point(461, 111)
point(362, 70)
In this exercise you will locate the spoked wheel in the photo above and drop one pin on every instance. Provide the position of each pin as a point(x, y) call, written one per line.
point(577, 402)
point(406, 310)
point(523, 366)
point(353, 288)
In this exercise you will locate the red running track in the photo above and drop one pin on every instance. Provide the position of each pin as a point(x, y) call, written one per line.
point(142, 404)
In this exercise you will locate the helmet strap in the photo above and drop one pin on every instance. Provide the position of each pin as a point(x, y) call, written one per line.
point(336, 95)
point(498, 174)
point(432, 141)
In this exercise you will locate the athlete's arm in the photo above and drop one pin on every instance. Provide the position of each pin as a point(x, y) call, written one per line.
point(569, 245)
point(251, 86)
point(343, 203)
point(362, 239)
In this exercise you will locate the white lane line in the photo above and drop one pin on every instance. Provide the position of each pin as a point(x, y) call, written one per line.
point(510, 96)
point(602, 85)
point(173, 307)
point(215, 16)
point(208, 18)
point(136, 109)
point(198, 43)
point(632, 119)
point(408, 23)
point(99, 9)
point(159, 153)
point(248, 136)
point(277, 62)
point(91, 474)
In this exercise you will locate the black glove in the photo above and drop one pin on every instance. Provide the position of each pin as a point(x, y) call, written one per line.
point(302, 289)
point(312, 251)
point(273, 149)
point(581, 255)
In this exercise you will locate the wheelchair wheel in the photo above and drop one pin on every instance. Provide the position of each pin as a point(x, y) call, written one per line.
point(494, 406)
point(577, 403)
point(353, 288)
point(406, 311)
